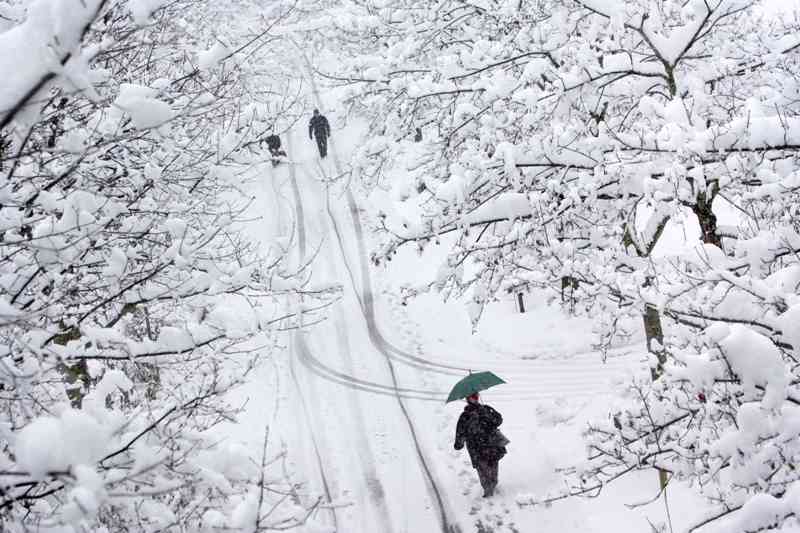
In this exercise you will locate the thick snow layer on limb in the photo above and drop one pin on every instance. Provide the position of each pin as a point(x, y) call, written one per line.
point(145, 110)
point(755, 132)
point(453, 190)
point(210, 58)
point(80, 439)
point(672, 45)
point(40, 45)
point(786, 281)
point(699, 369)
point(507, 151)
point(506, 206)
point(142, 9)
point(8, 313)
point(622, 62)
point(755, 359)
point(764, 511)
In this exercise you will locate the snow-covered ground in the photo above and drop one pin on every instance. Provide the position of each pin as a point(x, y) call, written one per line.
point(358, 402)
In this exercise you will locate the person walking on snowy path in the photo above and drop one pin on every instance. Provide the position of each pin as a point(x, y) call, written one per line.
point(319, 128)
point(478, 428)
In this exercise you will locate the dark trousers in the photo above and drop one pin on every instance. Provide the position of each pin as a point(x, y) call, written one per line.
point(487, 473)
point(322, 144)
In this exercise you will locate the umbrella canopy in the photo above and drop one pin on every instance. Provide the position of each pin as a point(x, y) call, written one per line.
point(473, 383)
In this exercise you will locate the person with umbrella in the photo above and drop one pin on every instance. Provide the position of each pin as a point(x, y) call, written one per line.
point(478, 428)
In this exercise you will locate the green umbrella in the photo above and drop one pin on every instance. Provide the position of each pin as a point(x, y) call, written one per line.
point(473, 383)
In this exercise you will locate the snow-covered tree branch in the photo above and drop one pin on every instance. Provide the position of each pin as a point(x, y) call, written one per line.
point(130, 301)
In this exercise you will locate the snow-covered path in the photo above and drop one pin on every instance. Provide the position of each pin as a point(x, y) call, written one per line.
point(339, 423)
point(362, 406)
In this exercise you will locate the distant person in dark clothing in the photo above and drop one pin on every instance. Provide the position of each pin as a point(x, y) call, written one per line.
point(274, 145)
point(273, 142)
point(478, 428)
point(319, 128)
point(417, 135)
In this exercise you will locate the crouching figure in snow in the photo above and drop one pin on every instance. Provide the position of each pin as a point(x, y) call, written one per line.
point(276, 152)
point(478, 428)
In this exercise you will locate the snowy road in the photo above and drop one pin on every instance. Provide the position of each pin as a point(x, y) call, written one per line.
point(339, 432)
point(371, 431)
point(368, 398)
point(332, 261)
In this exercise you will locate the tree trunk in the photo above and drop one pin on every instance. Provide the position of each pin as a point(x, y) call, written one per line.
point(654, 334)
point(707, 218)
point(76, 375)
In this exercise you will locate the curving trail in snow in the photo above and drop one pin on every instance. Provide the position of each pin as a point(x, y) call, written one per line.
point(435, 502)
point(347, 451)
point(370, 429)
point(317, 427)
point(298, 217)
point(365, 297)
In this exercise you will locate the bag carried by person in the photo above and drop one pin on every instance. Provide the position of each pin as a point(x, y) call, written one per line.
point(498, 439)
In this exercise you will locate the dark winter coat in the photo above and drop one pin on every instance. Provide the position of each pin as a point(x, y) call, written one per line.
point(319, 127)
point(273, 142)
point(477, 427)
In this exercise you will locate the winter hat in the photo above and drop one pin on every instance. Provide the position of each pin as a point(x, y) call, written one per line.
point(474, 397)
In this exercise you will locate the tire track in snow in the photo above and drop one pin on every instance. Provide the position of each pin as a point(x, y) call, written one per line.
point(320, 369)
point(520, 369)
point(542, 378)
point(549, 378)
point(277, 192)
point(575, 385)
point(317, 455)
point(454, 367)
point(301, 239)
point(324, 371)
point(376, 491)
point(447, 525)
point(560, 385)
point(366, 300)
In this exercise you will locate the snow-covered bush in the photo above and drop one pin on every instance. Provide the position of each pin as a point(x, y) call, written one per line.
point(130, 303)
point(562, 140)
